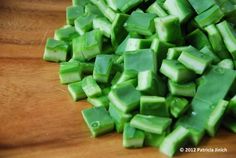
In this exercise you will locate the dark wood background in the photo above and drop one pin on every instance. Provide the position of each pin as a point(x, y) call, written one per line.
point(37, 116)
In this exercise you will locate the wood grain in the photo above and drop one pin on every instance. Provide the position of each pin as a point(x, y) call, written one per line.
point(37, 116)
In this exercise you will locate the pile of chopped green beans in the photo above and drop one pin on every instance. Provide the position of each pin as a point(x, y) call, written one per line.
point(162, 72)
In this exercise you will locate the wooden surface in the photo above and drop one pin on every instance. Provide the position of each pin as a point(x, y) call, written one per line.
point(37, 116)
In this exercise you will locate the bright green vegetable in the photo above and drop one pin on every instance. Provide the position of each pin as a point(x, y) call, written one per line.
point(160, 49)
point(151, 83)
point(70, 72)
point(118, 32)
point(84, 23)
point(102, 68)
point(217, 41)
point(125, 6)
point(90, 87)
point(125, 97)
point(201, 5)
point(215, 117)
point(176, 71)
point(55, 50)
point(99, 101)
point(132, 138)
point(150, 62)
point(157, 9)
point(98, 120)
point(177, 105)
point(149, 123)
point(195, 60)
point(210, 53)
point(153, 140)
point(107, 11)
point(66, 33)
point(76, 91)
point(211, 16)
point(72, 13)
point(198, 39)
point(227, 64)
point(132, 44)
point(119, 117)
point(186, 89)
point(176, 139)
point(142, 23)
point(179, 8)
point(229, 37)
point(168, 26)
point(153, 105)
point(102, 24)
point(87, 46)
point(141, 56)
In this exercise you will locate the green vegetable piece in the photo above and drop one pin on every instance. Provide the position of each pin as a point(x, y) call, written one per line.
point(70, 72)
point(180, 8)
point(168, 26)
point(177, 105)
point(198, 39)
point(118, 32)
point(176, 139)
point(201, 5)
point(66, 34)
point(107, 11)
point(211, 16)
point(217, 42)
point(142, 23)
point(150, 83)
point(125, 97)
point(232, 106)
point(195, 60)
point(174, 53)
point(229, 37)
point(132, 44)
point(132, 82)
point(125, 6)
point(227, 64)
point(98, 120)
point(127, 75)
point(153, 105)
point(87, 46)
point(76, 91)
point(154, 140)
point(103, 25)
point(160, 49)
point(141, 56)
point(80, 2)
point(99, 101)
point(196, 136)
point(72, 13)
point(210, 53)
point(112, 4)
point(84, 23)
point(149, 123)
point(102, 68)
point(216, 117)
point(203, 104)
point(93, 10)
point(227, 7)
point(229, 123)
point(185, 90)
point(132, 138)
point(176, 71)
point(119, 117)
point(55, 51)
point(157, 8)
point(90, 87)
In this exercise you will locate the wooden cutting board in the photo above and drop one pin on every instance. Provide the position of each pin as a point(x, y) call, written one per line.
point(37, 116)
